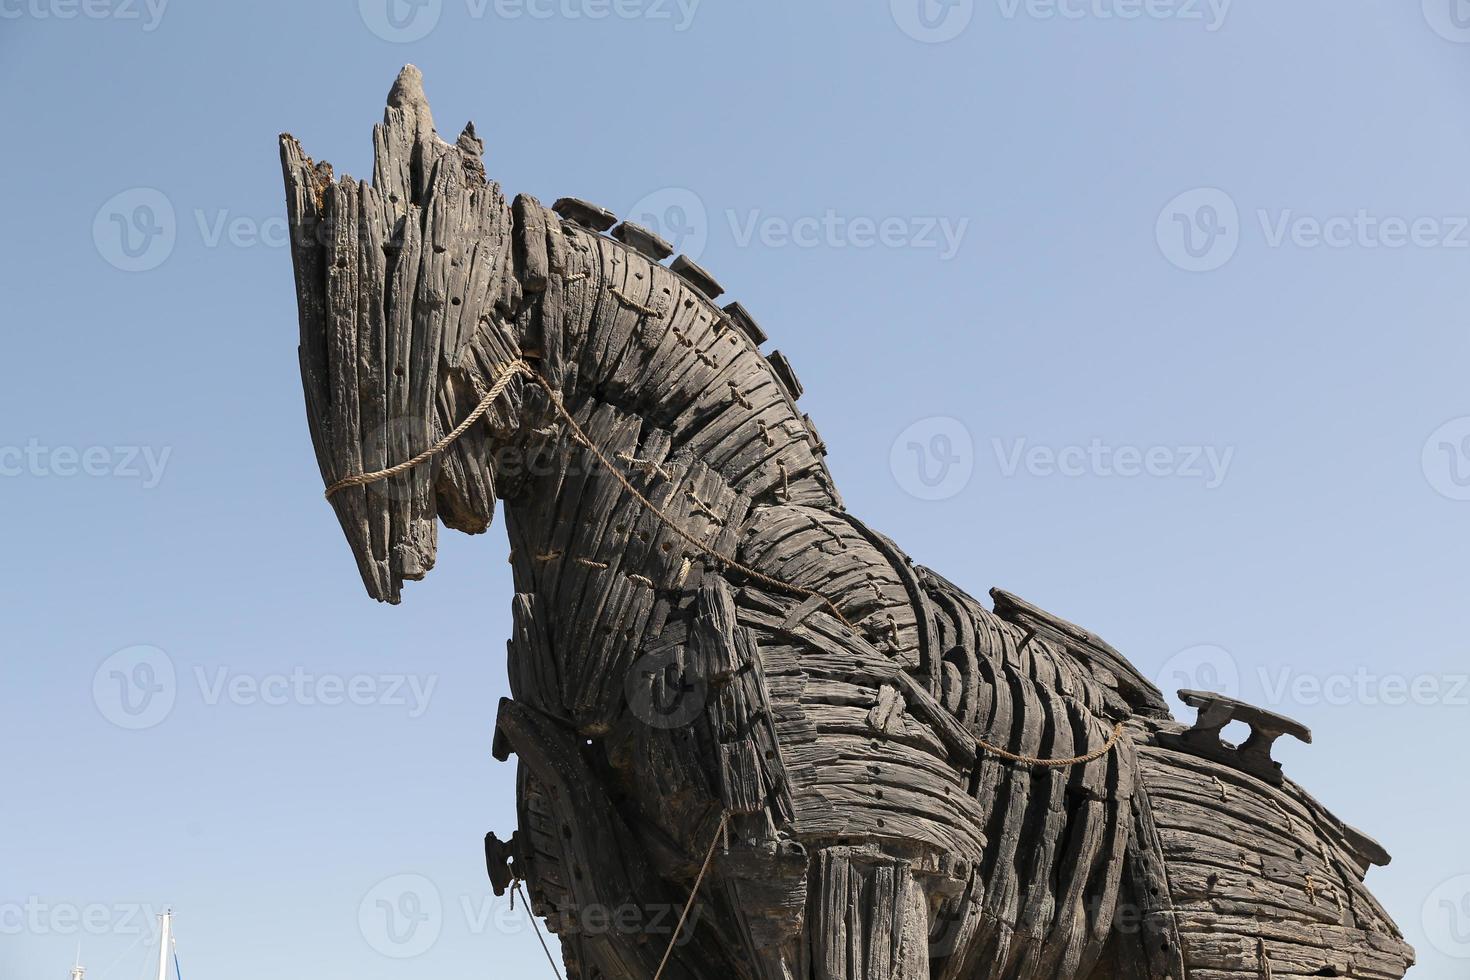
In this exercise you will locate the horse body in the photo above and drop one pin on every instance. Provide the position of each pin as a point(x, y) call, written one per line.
point(722, 682)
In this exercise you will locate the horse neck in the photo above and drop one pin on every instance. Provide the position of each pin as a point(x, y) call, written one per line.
point(619, 333)
point(704, 458)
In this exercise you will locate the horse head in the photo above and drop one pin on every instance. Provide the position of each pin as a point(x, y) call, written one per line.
point(407, 288)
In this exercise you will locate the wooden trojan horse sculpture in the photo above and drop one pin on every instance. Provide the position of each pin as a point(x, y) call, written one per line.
point(733, 700)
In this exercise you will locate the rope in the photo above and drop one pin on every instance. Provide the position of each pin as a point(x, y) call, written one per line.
point(363, 479)
point(531, 914)
point(646, 464)
point(633, 304)
point(1057, 763)
point(704, 869)
point(519, 366)
point(668, 521)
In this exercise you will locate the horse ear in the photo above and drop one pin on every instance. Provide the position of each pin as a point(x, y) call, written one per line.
point(407, 95)
point(405, 145)
point(472, 152)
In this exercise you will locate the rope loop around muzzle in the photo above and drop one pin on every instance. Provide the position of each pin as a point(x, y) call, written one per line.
point(512, 369)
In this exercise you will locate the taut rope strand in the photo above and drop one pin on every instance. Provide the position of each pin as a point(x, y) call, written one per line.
point(496, 390)
point(668, 521)
point(519, 366)
point(704, 869)
point(516, 884)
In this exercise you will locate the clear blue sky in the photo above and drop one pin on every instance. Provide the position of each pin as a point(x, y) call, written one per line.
point(1222, 248)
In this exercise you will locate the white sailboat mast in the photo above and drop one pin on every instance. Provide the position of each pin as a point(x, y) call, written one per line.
point(165, 940)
